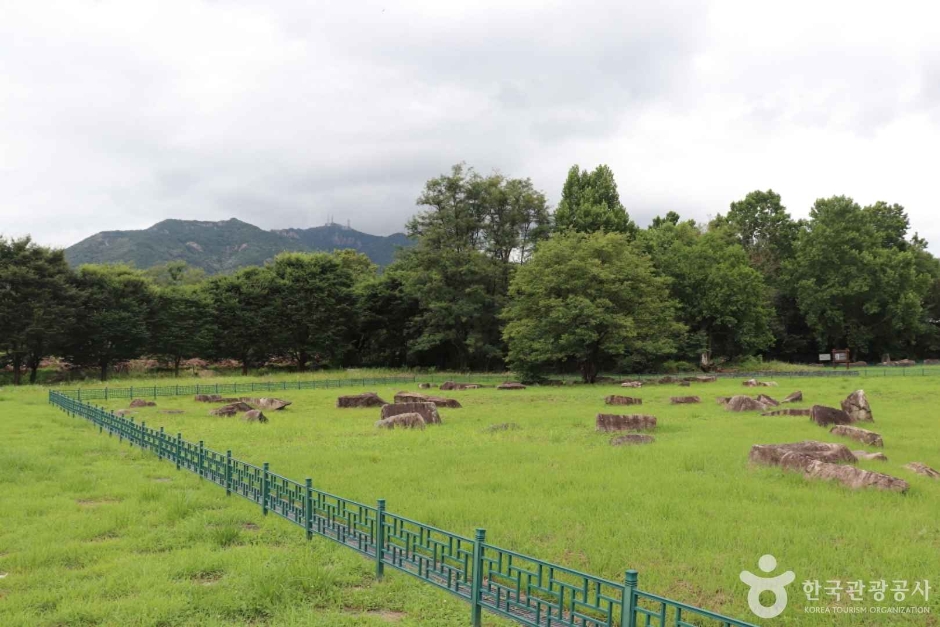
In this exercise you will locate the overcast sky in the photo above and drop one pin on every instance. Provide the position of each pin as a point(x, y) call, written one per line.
point(115, 115)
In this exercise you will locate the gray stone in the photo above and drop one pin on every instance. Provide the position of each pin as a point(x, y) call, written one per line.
point(254, 415)
point(857, 407)
point(427, 411)
point(825, 416)
point(862, 435)
point(923, 469)
point(613, 399)
point(616, 422)
point(366, 399)
point(407, 420)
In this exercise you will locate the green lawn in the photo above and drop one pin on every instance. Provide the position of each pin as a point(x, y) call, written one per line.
point(95, 532)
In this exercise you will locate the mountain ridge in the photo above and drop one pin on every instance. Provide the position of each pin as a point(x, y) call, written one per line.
point(226, 245)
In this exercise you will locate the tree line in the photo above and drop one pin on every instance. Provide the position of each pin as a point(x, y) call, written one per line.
point(497, 279)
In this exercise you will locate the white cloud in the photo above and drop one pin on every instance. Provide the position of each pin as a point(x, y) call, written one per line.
point(117, 115)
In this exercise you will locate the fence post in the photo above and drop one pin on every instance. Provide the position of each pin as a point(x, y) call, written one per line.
point(308, 509)
point(106, 393)
point(228, 472)
point(161, 449)
point(179, 449)
point(143, 435)
point(265, 488)
point(132, 392)
point(628, 611)
point(379, 539)
point(202, 455)
point(79, 395)
point(477, 585)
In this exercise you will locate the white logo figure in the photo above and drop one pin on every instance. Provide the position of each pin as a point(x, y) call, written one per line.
point(777, 585)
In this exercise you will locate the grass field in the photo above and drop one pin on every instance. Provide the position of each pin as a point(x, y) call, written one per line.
point(95, 532)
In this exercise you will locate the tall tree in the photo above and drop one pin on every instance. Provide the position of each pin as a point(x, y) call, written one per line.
point(590, 202)
point(37, 303)
point(587, 300)
point(857, 281)
point(313, 303)
point(722, 300)
point(761, 225)
point(243, 320)
point(459, 296)
point(114, 306)
point(386, 315)
point(180, 325)
point(502, 217)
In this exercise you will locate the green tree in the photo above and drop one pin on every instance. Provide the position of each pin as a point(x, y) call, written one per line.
point(502, 217)
point(761, 225)
point(37, 303)
point(722, 299)
point(243, 319)
point(671, 217)
point(459, 296)
point(175, 273)
point(590, 202)
point(356, 263)
point(386, 315)
point(857, 279)
point(111, 322)
point(314, 305)
point(587, 300)
point(179, 325)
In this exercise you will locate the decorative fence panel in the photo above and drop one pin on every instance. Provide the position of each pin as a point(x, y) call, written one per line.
point(520, 588)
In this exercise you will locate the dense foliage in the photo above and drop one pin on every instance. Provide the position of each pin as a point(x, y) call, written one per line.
point(495, 279)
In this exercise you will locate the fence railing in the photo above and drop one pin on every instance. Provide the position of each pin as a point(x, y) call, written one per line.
point(154, 391)
point(521, 588)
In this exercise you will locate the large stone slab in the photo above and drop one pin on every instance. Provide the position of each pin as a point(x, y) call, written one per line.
point(631, 384)
point(825, 416)
point(923, 469)
point(744, 403)
point(770, 454)
point(450, 385)
point(510, 385)
point(366, 399)
point(850, 476)
point(862, 435)
point(857, 407)
point(766, 400)
point(427, 411)
point(408, 420)
point(415, 397)
point(617, 422)
point(787, 412)
point(684, 400)
point(273, 404)
point(139, 402)
point(795, 397)
point(209, 398)
point(614, 399)
point(231, 409)
point(254, 415)
point(865, 455)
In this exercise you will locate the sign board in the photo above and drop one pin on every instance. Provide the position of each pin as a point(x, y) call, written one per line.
point(840, 356)
point(825, 357)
